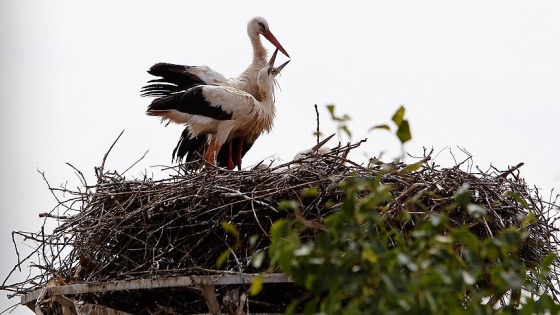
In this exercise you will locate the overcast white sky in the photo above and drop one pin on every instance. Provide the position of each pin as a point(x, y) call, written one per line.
point(479, 75)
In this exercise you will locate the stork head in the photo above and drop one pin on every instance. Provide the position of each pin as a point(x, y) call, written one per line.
point(259, 26)
point(265, 78)
point(272, 70)
point(276, 71)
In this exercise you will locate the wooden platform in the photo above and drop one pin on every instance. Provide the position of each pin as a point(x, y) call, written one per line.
point(50, 295)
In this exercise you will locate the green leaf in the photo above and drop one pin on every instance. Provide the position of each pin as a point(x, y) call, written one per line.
point(231, 229)
point(330, 107)
point(398, 116)
point(402, 259)
point(253, 240)
point(517, 197)
point(309, 307)
point(463, 195)
point(472, 257)
point(443, 239)
point(548, 260)
point(384, 126)
point(304, 250)
point(291, 309)
point(411, 168)
point(257, 285)
point(467, 238)
point(280, 228)
point(369, 255)
point(347, 131)
point(405, 260)
point(511, 238)
point(223, 257)
point(528, 219)
point(434, 308)
point(317, 261)
point(403, 133)
point(444, 275)
point(283, 242)
point(310, 192)
point(468, 278)
point(512, 279)
point(257, 259)
point(288, 205)
point(476, 211)
point(389, 283)
point(436, 219)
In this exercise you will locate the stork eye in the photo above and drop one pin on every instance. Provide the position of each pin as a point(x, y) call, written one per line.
point(261, 24)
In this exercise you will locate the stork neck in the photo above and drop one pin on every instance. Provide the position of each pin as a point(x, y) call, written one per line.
point(247, 81)
point(266, 92)
point(259, 52)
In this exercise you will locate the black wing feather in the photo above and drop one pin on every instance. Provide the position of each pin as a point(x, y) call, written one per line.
point(174, 78)
point(191, 102)
point(190, 149)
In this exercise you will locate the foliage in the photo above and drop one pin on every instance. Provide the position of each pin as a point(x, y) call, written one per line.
point(403, 128)
point(359, 266)
point(357, 263)
point(340, 120)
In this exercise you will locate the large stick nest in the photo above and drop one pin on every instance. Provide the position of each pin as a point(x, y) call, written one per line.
point(127, 229)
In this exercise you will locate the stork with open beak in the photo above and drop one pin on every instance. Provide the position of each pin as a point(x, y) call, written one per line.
point(317, 149)
point(221, 112)
point(176, 78)
point(242, 140)
point(231, 153)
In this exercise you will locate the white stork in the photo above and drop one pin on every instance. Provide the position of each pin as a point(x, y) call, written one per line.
point(318, 149)
point(306, 155)
point(220, 111)
point(176, 78)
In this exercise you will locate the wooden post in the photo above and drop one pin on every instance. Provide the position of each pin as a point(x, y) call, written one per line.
point(211, 299)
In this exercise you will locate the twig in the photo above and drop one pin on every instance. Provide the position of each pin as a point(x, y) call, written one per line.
point(79, 173)
point(511, 170)
point(53, 216)
point(317, 133)
point(100, 169)
point(139, 228)
point(140, 159)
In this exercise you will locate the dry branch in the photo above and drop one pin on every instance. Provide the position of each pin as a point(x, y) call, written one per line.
point(123, 229)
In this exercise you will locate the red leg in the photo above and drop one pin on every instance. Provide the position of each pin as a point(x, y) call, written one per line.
point(216, 150)
point(230, 153)
point(210, 155)
point(239, 151)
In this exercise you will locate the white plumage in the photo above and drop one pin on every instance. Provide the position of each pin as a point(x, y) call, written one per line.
point(208, 75)
point(175, 78)
point(221, 111)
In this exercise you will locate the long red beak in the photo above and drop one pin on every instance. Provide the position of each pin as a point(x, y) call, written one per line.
point(268, 35)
